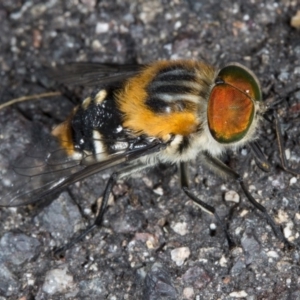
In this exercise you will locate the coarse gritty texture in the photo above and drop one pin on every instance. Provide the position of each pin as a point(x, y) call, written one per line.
point(132, 256)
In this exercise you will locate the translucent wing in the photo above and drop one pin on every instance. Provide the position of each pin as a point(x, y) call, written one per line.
point(46, 170)
point(93, 74)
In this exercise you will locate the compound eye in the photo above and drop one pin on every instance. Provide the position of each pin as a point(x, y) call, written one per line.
point(231, 103)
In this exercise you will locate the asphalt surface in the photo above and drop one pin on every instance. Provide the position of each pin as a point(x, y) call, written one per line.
point(155, 244)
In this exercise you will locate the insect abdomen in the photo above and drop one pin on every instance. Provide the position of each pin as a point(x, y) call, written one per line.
point(94, 128)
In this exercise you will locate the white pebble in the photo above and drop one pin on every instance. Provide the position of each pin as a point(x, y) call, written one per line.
point(282, 216)
point(232, 196)
point(188, 293)
point(293, 180)
point(287, 231)
point(212, 226)
point(285, 201)
point(273, 254)
point(57, 281)
point(96, 45)
point(102, 27)
point(223, 261)
point(177, 25)
point(180, 228)
point(240, 294)
point(159, 191)
point(179, 255)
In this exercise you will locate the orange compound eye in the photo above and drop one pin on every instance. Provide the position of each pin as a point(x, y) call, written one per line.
point(231, 103)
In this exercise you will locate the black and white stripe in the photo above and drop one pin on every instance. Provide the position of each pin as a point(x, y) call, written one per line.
point(173, 88)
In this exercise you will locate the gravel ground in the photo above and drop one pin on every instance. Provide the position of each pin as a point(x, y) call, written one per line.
point(155, 244)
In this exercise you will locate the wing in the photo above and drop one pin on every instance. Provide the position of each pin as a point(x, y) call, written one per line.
point(42, 172)
point(93, 74)
point(45, 169)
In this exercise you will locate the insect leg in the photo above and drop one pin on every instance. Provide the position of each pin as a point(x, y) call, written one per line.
point(219, 167)
point(126, 171)
point(259, 157)
point(281, 148)
point(204, 206)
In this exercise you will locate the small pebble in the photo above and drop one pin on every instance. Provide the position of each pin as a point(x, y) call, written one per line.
point(180, 228)
point(232, 196)
point(179, 255)
point(287, 231)
point(102, 27)
point(57, 281)
point(239, 294)
point(223, 261)
point(272, 254)
point(188, 293)
point(159, 191)
point(293, 180)
point(295, 21)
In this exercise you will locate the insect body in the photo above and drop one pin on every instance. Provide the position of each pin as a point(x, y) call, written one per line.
point(167, 111)
point(186, 105)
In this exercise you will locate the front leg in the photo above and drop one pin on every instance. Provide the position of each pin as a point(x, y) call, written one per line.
point(204, 206)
